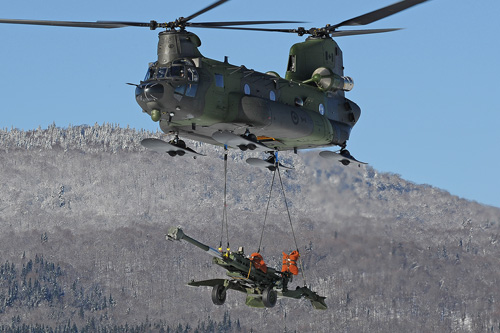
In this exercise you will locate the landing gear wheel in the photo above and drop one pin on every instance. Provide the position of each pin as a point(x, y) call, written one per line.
point(178, 142)
point(269, 297)
point(218, 294)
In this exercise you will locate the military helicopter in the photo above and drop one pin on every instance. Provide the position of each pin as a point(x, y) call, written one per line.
point(206, 100)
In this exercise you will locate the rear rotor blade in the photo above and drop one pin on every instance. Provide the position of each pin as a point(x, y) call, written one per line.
point(379, 13)
point(360, 32)
point(302, 31)
point(232, 25)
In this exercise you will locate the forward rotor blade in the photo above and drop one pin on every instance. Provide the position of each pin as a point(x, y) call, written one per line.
point(132, 24)
point(204, 10)
point(99, 25)
point(225, 24)
point(379, 13)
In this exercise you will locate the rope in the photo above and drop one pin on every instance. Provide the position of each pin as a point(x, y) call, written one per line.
point(288, 213)
point(249, 270)
point(291, 226)
point(267, 210)
point(224, 210)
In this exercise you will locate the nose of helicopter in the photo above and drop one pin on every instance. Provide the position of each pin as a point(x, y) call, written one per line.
point(149, 92)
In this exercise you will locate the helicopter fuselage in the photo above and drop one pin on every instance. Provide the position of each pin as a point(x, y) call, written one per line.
point(204, 99)
point(195, 97)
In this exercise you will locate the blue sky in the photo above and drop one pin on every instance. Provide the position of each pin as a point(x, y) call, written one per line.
point(429, 94)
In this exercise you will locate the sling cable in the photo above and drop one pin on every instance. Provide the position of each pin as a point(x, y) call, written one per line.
point(289, 261)
point(224, 209)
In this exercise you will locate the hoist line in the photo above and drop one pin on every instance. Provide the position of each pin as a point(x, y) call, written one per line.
point(224, 210)
point(267, 210)
point(287, 210)
point(291, 226)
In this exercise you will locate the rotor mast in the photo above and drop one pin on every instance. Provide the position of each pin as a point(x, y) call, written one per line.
point(173, 44)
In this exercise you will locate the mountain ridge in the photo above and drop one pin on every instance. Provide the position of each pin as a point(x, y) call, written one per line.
point(388, 253)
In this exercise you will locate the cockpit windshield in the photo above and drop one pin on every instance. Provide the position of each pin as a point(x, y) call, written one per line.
point(150, 74)
point(178, 69)
point(182, 71)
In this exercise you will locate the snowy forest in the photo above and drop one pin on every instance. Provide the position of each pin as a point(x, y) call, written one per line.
point(84, 211)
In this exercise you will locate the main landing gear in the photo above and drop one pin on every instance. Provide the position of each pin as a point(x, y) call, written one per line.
point(270, 163)
point(175, 147)
point(343, 156)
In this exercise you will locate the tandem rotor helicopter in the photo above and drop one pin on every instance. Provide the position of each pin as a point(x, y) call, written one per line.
point(206, 100)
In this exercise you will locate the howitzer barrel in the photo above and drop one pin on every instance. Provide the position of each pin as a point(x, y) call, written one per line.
point(176, 233)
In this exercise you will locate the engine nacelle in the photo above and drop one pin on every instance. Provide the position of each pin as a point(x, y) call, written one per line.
point(326, 80)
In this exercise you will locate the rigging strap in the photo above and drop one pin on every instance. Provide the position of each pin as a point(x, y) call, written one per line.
point(267, 210)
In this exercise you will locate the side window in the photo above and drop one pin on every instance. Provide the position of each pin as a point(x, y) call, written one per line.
point(219, 80)
point(272, 96)
point(180, 89)
point(292, 63)
point(321, 109)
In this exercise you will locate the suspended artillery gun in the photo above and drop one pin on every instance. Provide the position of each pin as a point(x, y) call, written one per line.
point(246, 275)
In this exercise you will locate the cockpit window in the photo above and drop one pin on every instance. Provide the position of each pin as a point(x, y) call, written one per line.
point(180, 89)
point(161, 72)
point(150, 73)
point(192, 74)
point(191, 90)
point(184, 69)
point(179, 70)
point(176, 71)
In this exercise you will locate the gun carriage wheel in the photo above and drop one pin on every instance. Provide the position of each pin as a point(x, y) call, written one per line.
point(269, 297)
point(219, 294)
